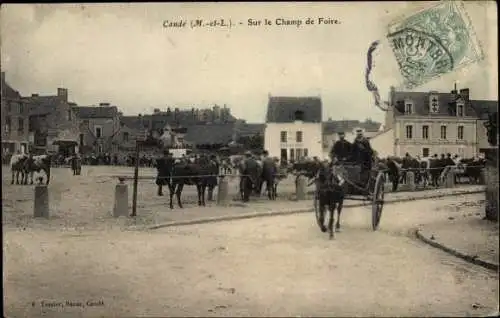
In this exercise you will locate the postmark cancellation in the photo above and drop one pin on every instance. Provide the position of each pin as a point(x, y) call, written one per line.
point(432, 42)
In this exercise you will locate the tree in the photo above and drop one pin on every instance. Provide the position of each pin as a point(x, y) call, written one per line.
point(491, 173)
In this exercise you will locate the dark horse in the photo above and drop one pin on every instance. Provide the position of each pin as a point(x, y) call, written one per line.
point(331, 193)
point(202, 174)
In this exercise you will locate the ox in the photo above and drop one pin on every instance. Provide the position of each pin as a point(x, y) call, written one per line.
point(17, 164)
point(36, 164)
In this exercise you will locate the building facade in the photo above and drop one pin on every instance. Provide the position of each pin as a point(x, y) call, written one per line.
point(15, 121)
point(428, 123)
point(99, 128)
point(293, 128)
point(53, 123)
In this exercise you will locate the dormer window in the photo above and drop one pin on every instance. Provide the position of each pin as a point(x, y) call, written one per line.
point(460, 109)
point(298, 115)
point(408, 107)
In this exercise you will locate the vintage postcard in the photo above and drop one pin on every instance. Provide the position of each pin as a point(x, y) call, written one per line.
point(265, 159)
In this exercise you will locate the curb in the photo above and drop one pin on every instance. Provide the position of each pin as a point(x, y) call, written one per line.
point(297, 211)
point(468, 258)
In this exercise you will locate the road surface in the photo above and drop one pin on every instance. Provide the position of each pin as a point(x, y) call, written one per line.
point(276, 266)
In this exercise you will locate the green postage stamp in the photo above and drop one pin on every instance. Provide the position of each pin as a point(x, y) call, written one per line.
point(433, 41)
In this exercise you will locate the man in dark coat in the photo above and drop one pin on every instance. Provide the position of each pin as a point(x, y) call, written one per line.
point(269, 172)
point(342, 149)
point(164, 167)
point(251, 175)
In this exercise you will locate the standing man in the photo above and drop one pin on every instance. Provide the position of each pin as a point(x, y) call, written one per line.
point(164, 167)
point(250, 177)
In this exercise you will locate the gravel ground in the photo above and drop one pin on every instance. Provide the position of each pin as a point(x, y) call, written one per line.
point(280, 266)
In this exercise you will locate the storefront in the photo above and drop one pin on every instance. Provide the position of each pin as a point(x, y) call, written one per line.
point(65, 148)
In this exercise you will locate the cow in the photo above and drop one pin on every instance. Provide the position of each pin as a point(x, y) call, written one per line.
point(36, 164)
point(17, 164)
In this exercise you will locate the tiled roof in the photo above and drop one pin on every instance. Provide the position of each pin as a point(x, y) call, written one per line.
point(209, 134)
point(41, 105)
point(250, 129)
point(282, 109)
point(421, 104)
point(485, 107)
point(133, 122)
point(96, 111)
point(8, 91)
point(336, 126)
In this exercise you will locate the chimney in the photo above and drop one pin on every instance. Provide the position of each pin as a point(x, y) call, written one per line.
point(63, 92)
point(34, 95)
point(464, 93)
point(156, 110)
point(392, 95)
point(104, 104)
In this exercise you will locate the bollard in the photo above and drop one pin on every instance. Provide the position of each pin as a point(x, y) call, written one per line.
point(223, 192)
point(300, 188)
point(41, 206)
point(450, 179)
point(120, 207)
point(410, 181)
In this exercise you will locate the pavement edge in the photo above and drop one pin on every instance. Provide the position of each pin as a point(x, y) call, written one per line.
point(297, 211)
point(471, 259)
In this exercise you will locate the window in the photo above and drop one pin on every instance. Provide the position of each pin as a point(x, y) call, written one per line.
point(298, 136)
point(98, 132)
point(460, 132)
point(306, 153)
point(425, 132)
point(409, 108)
point(8, 124)
point(21, 108)
point(69, 114)
point(99, 148)
point(298, 115)
point(20, 125)
point(425, 152)
point(81, 139)
point(283, 136)
point(125, 136)
point(409, 132)
point(443, 132)
point(9, 107)
point(85, 121)
point(292, 154)
point(460, 110)
point(298, 153)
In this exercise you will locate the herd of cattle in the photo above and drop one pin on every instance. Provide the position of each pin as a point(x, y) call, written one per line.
point(203, 172)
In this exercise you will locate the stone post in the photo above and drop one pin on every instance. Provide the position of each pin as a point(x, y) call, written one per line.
point(449, 181)
point(120, 207)
point(41, 206)
point(223, 192)
point(410, 181)
point(300, 188)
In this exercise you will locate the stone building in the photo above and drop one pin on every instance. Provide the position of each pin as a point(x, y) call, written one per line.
point(99, 128)
point(15, 120)
point(428, 123)
point(53, 123)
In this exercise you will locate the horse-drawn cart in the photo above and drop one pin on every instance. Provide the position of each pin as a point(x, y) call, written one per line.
point(369, 187)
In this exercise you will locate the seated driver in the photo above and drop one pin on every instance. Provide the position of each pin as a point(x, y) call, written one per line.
point(341, 150)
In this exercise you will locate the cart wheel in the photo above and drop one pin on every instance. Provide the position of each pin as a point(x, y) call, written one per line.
point(242, 193)
point(378, 200)
point(317, 210)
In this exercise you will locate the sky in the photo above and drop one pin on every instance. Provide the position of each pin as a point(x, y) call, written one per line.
point(122, 54)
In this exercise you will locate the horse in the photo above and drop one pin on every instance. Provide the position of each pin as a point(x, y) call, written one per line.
point(17, 167)
point(331, 189)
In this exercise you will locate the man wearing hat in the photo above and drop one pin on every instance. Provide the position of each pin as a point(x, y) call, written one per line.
point(363, 153)
point(341, 150)
point(164, 166)
point(251, 175)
